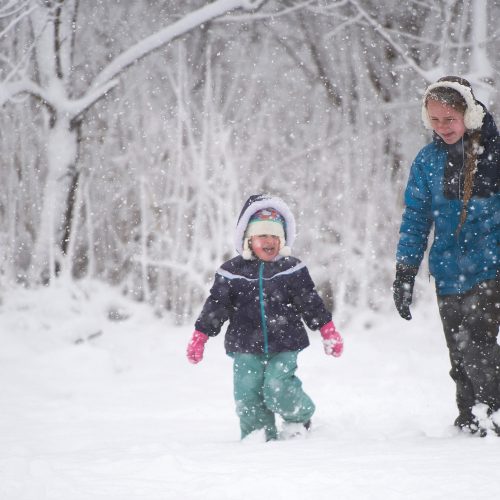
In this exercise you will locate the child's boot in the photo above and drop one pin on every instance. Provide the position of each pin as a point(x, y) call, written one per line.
point(295, 429)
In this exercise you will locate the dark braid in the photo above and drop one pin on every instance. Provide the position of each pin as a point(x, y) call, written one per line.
point(470, 170)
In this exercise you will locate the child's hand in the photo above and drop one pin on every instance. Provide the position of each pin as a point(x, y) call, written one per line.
point(196, 347)
point(332, 341)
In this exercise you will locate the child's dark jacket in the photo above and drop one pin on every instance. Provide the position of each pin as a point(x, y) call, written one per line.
point(265, 303)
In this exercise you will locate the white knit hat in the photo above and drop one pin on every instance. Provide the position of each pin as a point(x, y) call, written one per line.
point(265, 221)
point(265, 214)
point(474, 112)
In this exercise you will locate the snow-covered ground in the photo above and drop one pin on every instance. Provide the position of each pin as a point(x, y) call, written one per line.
point(93, 408)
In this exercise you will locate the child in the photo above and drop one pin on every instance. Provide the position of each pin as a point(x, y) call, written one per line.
point(454, 188)
point(265, 294)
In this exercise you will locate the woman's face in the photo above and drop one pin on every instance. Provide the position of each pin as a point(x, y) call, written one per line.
point(446, 121)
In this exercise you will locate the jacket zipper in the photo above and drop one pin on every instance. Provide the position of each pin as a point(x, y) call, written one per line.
point(262, 309)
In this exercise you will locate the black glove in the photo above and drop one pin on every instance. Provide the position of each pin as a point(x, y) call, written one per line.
point(402, 289)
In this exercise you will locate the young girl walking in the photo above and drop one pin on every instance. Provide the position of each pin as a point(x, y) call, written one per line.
point(454, 188)
point(266, 294)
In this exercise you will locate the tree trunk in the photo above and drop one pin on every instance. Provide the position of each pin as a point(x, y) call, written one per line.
point(54, 230)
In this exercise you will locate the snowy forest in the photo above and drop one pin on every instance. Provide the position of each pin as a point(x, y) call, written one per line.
point(132, 131)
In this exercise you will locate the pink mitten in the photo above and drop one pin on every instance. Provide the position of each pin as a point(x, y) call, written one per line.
point(196, 347)
point(332, 341)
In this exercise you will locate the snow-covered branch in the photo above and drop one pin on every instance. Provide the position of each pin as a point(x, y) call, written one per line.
point(268, 15)
point(75, 107)
point(55, 100)
point(426, 75)
point(164, 36)
point(10, 89)
point(15, 21)
point(12, 7)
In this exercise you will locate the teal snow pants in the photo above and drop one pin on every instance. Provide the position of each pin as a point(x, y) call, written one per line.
point(265, 384)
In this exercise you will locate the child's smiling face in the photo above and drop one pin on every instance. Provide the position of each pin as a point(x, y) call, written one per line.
point(446, 121)
point(265, 246)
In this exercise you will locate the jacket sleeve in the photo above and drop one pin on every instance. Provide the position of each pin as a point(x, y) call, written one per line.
point(216, 308)
point(307, 300)
point(417, 217)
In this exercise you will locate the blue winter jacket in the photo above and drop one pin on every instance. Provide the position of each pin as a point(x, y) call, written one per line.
point(265, 303)
point(457, 260)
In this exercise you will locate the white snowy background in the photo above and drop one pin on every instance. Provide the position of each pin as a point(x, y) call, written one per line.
point(133, 132)
point(93, 408)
